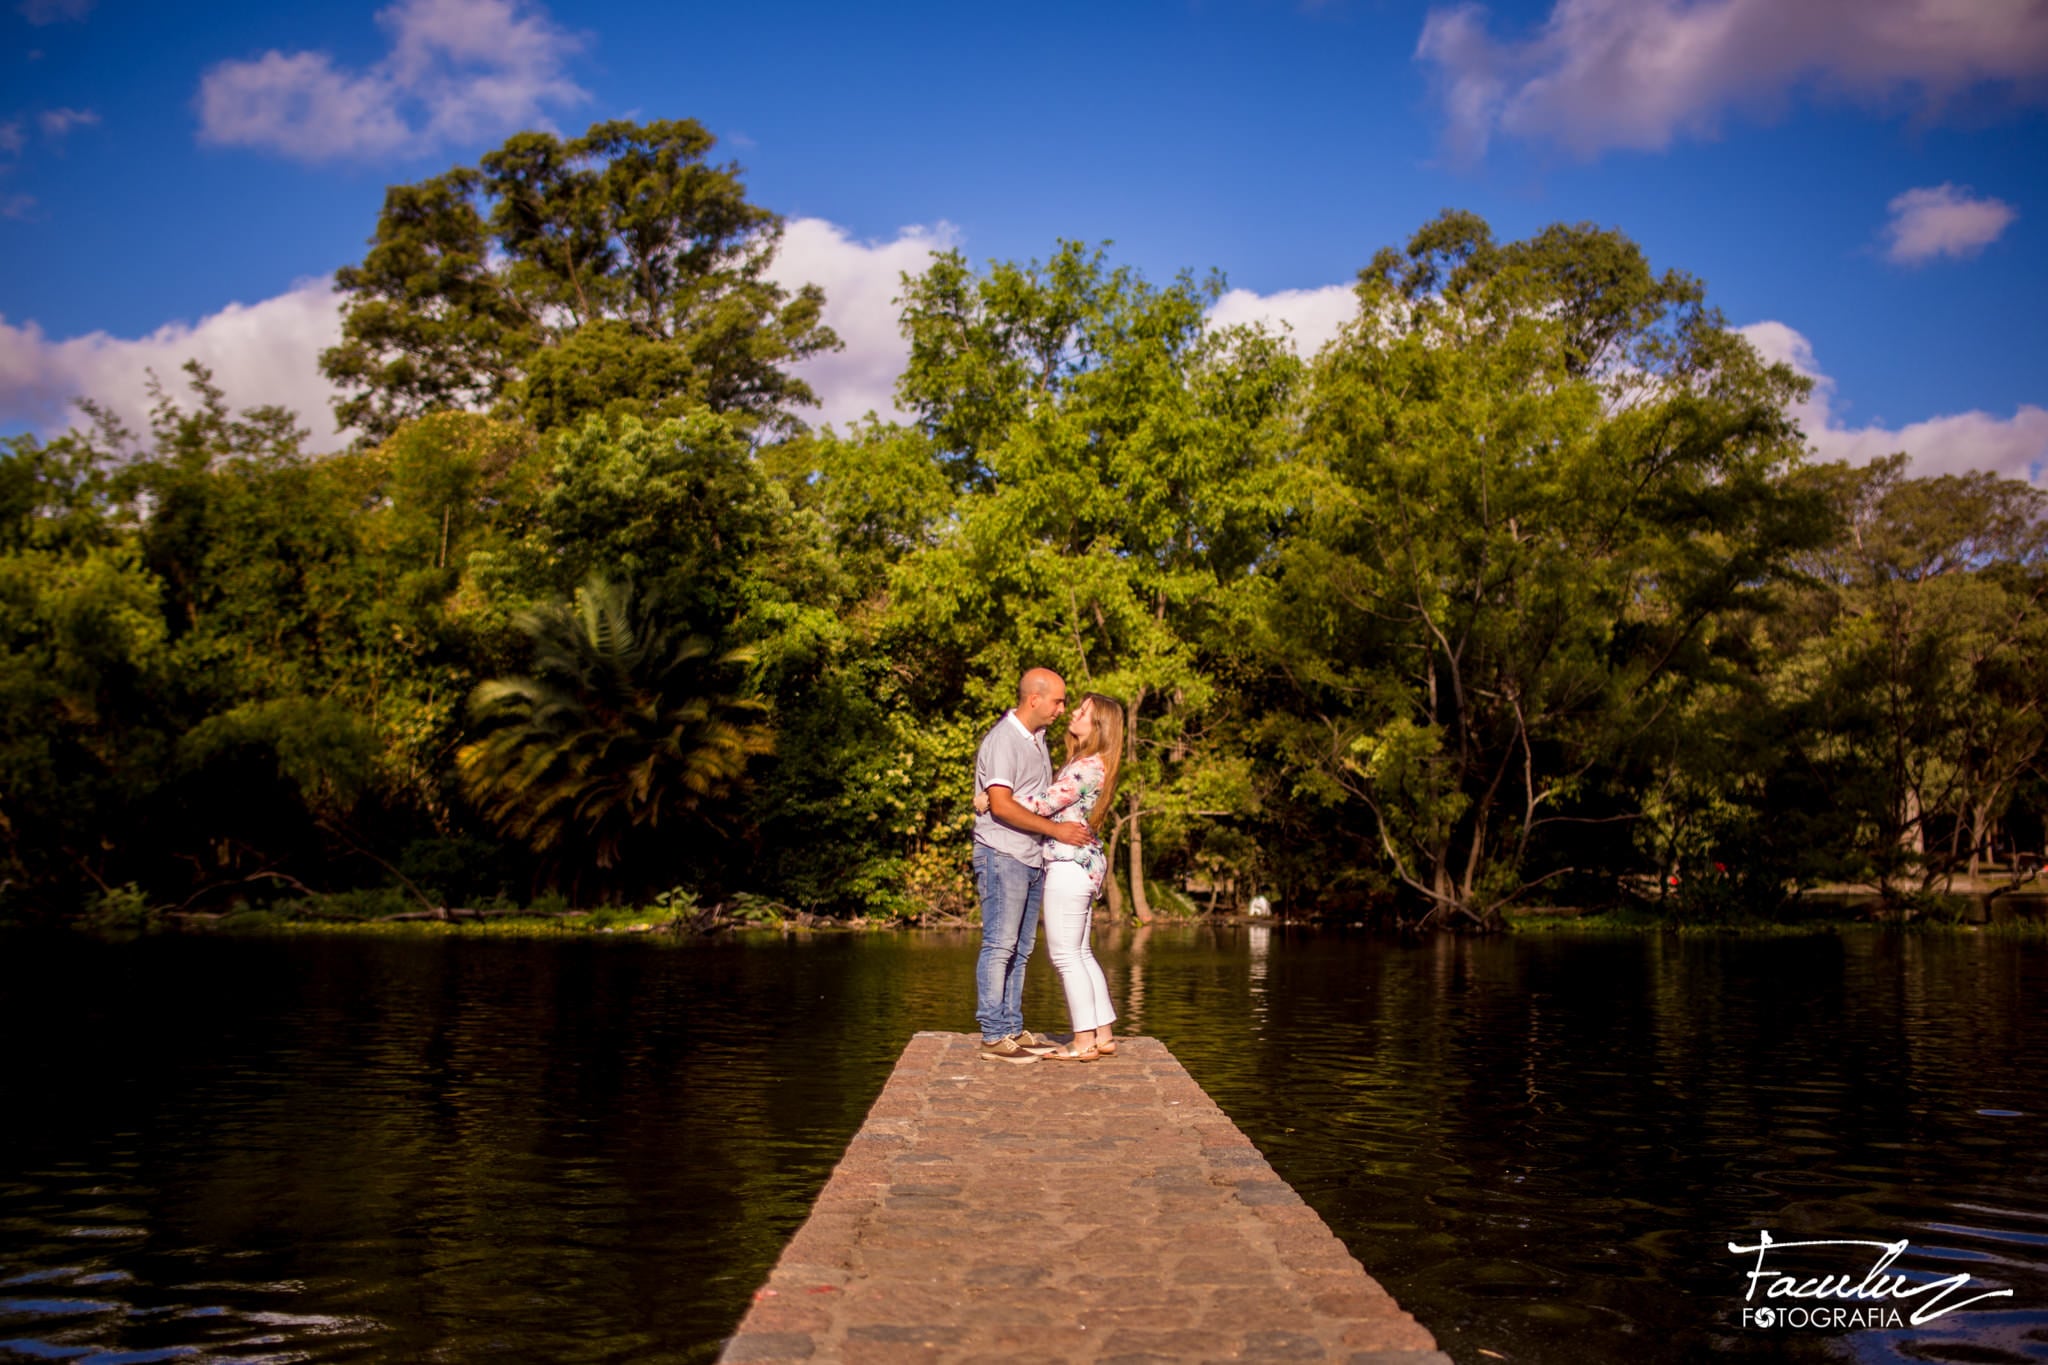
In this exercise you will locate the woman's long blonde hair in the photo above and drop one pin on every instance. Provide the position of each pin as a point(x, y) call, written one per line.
point(1106, 738)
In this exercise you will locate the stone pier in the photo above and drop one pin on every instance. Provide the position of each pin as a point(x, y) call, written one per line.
point(1099, 1211)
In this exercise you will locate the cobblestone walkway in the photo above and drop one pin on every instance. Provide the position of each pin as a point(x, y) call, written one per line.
point(1101, 1211)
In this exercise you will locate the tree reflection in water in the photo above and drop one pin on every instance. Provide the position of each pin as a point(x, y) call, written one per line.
point(582, 1151)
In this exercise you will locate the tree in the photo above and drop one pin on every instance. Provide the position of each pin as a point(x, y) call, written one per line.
point(615, 272)
point(1916, 674)
point(1546, 472)
point(865, 807)
point(1125, 472)
point(624, 726)
point(194, 629)
point(678, 505)
point(83, 668)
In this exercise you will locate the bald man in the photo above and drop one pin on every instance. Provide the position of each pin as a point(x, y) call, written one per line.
point(1009, 862)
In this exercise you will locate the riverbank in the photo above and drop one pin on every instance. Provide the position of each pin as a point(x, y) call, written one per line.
point(2019, 918)
point(1986, 905)
point(1996, 909)
point(657, 921)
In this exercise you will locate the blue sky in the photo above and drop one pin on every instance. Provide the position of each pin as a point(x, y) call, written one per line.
point(1866, 175)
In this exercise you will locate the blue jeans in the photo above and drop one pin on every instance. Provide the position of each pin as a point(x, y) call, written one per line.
point(1010, 897)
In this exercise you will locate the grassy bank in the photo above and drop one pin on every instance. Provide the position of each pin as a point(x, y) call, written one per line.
point(1636, 921)
point(627, 920)
point(1632, 920)
point(389, 911)
point(394, 911)
point(679, 914)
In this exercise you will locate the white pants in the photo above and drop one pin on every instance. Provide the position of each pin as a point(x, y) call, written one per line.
point(1068, 916)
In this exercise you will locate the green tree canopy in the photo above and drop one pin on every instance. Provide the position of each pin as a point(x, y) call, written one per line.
point(1523, 582)
point(1548, 472)
point(1912, 660)
point(624, 725)
point(617, 271)
point(1127, 474)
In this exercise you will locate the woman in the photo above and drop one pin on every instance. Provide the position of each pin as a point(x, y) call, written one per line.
point(1074, 875)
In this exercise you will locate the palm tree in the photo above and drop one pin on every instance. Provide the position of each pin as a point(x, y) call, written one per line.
point(624, 722)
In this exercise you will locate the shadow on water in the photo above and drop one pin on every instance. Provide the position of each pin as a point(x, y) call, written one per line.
point(442, 1149)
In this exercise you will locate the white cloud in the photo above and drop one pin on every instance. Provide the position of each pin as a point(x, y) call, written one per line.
point(269, 352)
point(1638, 73)
point(1311, 317)
point(861, 281)
point(1943, 221)
point(2015, 447)
point(264, 352)
point(12, 137)
point(52, 11)
point(57, 122)
point(300, 106)
point(456, 69)
point(17, 206)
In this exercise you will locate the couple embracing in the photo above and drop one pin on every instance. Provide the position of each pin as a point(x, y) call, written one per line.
point(1037, 846)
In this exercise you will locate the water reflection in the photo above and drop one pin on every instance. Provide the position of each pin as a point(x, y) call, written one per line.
point(449, 1150)
point(1545, 1146)
point(1258, 945)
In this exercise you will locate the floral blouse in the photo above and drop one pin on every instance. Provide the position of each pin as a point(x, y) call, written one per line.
point(1071, 798)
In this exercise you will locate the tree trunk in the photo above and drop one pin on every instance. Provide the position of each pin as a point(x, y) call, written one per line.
point(1446, 890)
point(1980, 821)
point(1112, 892)
point(1140, 902)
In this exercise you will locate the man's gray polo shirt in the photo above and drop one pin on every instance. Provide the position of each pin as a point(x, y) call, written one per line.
point(1011, 756)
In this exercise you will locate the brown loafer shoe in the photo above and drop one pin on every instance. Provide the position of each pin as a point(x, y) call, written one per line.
point(1005, 1050)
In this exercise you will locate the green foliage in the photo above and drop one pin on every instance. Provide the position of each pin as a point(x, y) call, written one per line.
point(1522, 586)
point(675, 907)
point(1909, 658)
point(625, 727)
point(1544, 475)
point(1126, 477)
point(615, 273)
point(679, 507)
point(85, 651)
point(321, 749)
point(362, 903)
point(123, 909)
point(758, 912)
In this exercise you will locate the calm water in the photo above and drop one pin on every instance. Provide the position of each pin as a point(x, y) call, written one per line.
point(352, 1149)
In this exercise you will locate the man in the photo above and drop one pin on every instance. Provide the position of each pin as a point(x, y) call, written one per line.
point(1009, 862)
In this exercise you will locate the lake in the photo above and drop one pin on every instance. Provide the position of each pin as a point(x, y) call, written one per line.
point(316, 1148)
